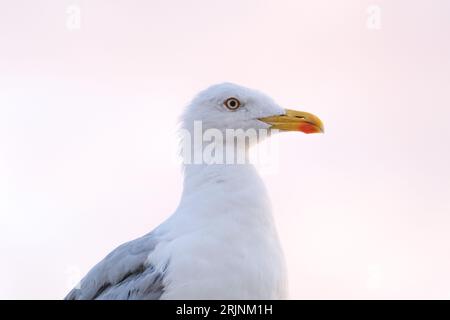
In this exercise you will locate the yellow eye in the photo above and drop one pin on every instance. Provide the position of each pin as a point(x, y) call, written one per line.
point(232, 103)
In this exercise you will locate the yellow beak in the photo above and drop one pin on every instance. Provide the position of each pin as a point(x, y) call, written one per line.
point(295, 121)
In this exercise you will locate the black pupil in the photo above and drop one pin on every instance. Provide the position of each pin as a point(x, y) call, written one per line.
point(232, 103)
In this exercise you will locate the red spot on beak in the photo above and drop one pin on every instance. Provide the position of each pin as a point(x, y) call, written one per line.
point(307, 128)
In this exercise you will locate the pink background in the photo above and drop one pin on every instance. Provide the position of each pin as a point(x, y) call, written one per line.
point(88, 120)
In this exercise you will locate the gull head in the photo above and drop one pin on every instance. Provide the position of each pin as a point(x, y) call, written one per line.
point(225, 120)
point(230, 106)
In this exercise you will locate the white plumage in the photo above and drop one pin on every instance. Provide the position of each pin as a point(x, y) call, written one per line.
point(221, 242)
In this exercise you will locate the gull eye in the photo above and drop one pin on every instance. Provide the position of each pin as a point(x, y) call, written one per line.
point(232, 103)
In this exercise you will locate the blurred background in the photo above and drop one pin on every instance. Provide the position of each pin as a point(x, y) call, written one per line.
point(86, 164)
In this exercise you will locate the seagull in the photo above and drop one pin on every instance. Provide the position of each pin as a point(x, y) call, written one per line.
point(221, 242)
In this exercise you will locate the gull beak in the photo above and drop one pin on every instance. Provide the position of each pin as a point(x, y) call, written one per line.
point(294, 120)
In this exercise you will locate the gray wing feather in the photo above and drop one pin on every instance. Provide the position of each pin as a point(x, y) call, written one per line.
point(123, 274)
